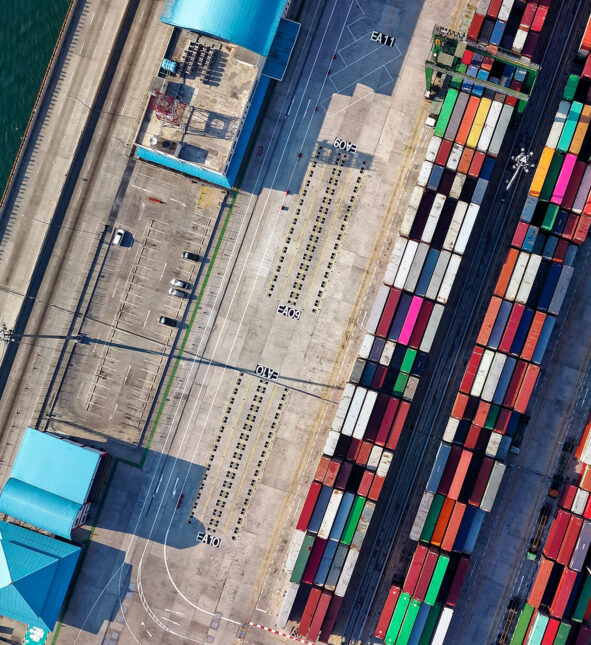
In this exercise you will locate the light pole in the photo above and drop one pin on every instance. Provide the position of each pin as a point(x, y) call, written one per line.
point(521, 161)
point(8, 335)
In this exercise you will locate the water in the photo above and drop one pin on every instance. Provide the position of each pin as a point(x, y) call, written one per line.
point(28, 32)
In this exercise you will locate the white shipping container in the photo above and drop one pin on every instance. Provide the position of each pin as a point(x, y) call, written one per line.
point(438, 273)
point(407, 221)
point(580, 501)
point(346, 573)
point(421, 516)
point(410, 388)
point(354, 411)
point(424, 173)
point(364, 415)
point(519, 40)
point(384, 464)
point(482, 373)
point(431, 329)
point(294, 550)
point(500, 130)
point(482, 7)
point(341, 413)
point(387, 352)
point(415, 197)
point(558, 125)
point(449, 278)
point(454, 156)
point(433, 218)
point(331, 443)
point(433, 148)
point(494, 374)
point(407, 258)
point(517, 275)
point(416, 267)
point(329, 515)
point(466, 230)
point(288, 600)
point(376, 311)
point(366, 346)
point(455, 225)
point(489, 126)
point(492, 488)
point(442, 626)
point(395, 260)
point(505, 10)
point(583, 192)
point(458, 184)
point(450, 429)
point(374, 457)
point(528, 279)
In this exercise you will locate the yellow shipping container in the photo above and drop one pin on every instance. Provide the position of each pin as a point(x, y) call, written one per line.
point(478, 124)
point(581, 131)
point(541, 172)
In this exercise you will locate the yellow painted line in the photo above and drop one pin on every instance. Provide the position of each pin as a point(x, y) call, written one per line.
point(262, 425)
point(221, 462)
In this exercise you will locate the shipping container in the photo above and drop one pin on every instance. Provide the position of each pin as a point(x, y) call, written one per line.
point(585, 45)
point(558, 124)
point(443, 153)
point(570, 539)
point(438, 467)
point(314, 561)
point(550, 633)
point(584, 601)
point(308, 507)
point(364, 415)
point(506, 272)
point(433, 148)
point(302, 559)
point(541, 171)
point(556, 534)
point(565, 586)
point(388, 313)
point(405, 265)
point(482, 372)
point(449, 277)
point(526, 389)
point(288, 600)
point(294, 550)
point(426, 574)
point(319, 615)
point(354, 410)
point(347, 572)
point(398, 425)
point(489, 126)
point(467, 120)
point(466, 228)
point(493, 376)
point(581, 130)
point(570, 126)
point(446, 112)
point(543, 339)
point(331, 443)
point(457, 185)
point(352, 520)
point(581, 548)
point(529, 276)
point(387, 612)
point(580, 501)
point(330, 514)
point(309, 610)
point(342, 515)
point(409, 216)
point(522, 625)
point(453, 526)
point(442, 521)
point(336, 567)
point(378, 307)
point(397, 618)
point(442, 626)
point(539, 586)
point(326, 562)
point(560, 290)
point(492, 487)
point(460, 474)
point(438, 274)
point(421, 516)
point(563, 180)
point(344, 403)
point(538, 628)
point(425, 174)
point(431, 329)
point(500, 130)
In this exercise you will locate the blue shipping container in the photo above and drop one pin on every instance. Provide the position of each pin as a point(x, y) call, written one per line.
point(528, 210)
point(438, 467)
point(342, 515)
point(521, 333)
point(435, 177)
point(474, 531)
point(427, 272)
point(549, 286)
point(543, 339)
point(400, 316)
point(530, 238)
point(417, 630)
point(319, 509)
point(504, 380)
point(464, 529)
point(499, 326)
point(324, 567)
point(368, 373)
point(497, 33)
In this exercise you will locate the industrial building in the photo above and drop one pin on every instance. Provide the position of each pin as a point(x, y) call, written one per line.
point(204, 103)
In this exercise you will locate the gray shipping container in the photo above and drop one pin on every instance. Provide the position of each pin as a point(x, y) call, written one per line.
point(582, 547)
point(416, 267)
point(357, 370)
point(363, 525)
point(456, 116)
point(561, 288)
point(481, 186)
point(492, 488)
point(438, 467)
point(336, 567)
point(500, 130)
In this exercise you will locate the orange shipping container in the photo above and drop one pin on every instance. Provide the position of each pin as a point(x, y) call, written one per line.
point(459, 406)
point(322, 468)
point(465, 161)
point(481, 413)
point(460, 474)
point(541, 172)
point(489, 320)
point(467, 120)
point(453, 527)
point(332, 472)
point(581, 130)
point(532, 337)
point(442, 522)
point(537, 591)
point(506, 271)
point(526, 389)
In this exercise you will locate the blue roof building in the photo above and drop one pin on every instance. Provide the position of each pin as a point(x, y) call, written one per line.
point(204, 104)
point(35, 573)
point(50, 483)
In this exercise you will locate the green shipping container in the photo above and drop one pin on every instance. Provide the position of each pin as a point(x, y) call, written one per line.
point(397, 618)
point(538, 629)
point(409, 359)
point(522, 625)
point(303, 555)
point(552, 176)
point(409, 621)
point(583, 602)
point(562, 634)
point(400, 384)
point(491, 417)
point(550, 216)
point(430, 625)
point(432, 517)
point(353, 520)
point(437, 579)
point(571, 87)
point(569, 127)
point(446, 110)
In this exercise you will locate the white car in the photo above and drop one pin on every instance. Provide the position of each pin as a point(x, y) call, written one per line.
point(181, 284)
point(119, 237)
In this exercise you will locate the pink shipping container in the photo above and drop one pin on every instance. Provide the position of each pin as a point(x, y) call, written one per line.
point(563, 179)
point(411, 319)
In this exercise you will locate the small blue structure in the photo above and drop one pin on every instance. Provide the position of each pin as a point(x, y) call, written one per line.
point(50, 483)
point(35, 573)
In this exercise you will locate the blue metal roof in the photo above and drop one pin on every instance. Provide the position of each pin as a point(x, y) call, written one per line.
point(35, 573)
point(249, 23)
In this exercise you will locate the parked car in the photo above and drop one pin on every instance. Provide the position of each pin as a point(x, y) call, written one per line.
point(178, 293)
point(169, 322)
point(194, 257)
point(118, 237)
point(181, 284)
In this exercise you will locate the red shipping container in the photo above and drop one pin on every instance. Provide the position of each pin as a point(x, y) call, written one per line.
point(377, 415)
point(519, 235)
point(387, 421)
point(511, 327)
point(570, 539)
point(573, 184)
point(472, 438)
point(567, 497)
point(458, 581)
point(481, 481)
point(398, 425)
point(476, 165)
point(343, 476)
point(565, 586)
point(322, 468)
point(450, 468)
point(475, 26)
point(539, 586)
point(582, 229)
point(308, 507)
point(365, 483)
point(426, 574)
point(571, 224)
point(481, 413)
point(376, 488)
point(539, 18)
point(557, 531)
point(528, 15)
point(453, 527)
point(489, 320)
point(459, 406)
point(331, 618)
point(309, 610)
point(414, 571)
point(443, 153)
point(379, 378)
point(314, 561)
point(332, 472)
point(515, 383)
point(532, 337)
point(502, 420)
point(319, 615)
point(467, 57)
point(388, 313)
point(442, 521)
point(506, 271)
point(471, 369)
point(421, 324)
point(364, 452)
point(354, 448)
point(560, 251)
point(460, 475)
point(487, 62)
point(465, 161)
point(527, 387)
point(387, 611)
point(587, 511)
point(493, 9)
point(551, 631)
point(467, 120)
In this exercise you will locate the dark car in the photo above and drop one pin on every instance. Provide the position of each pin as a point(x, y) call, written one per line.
point(169, 322)
point(194, 257)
